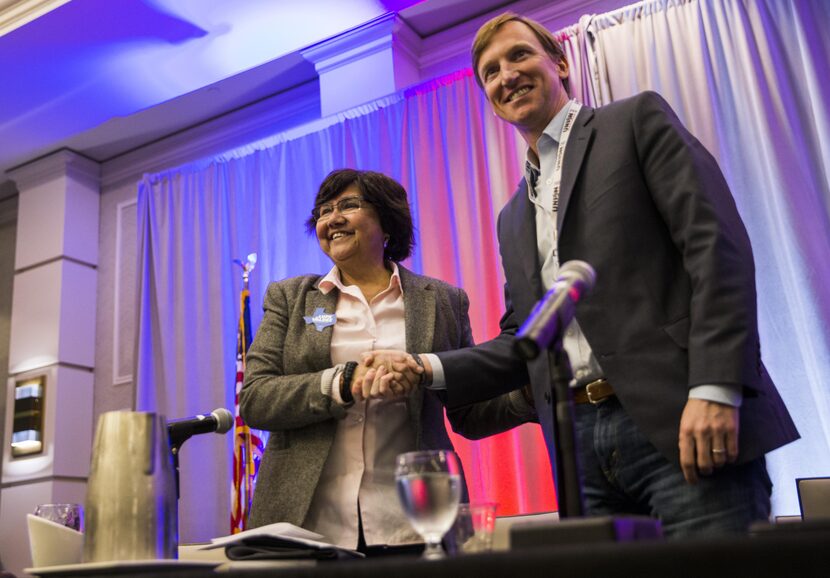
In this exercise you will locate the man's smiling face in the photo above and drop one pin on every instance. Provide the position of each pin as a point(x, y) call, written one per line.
point(522, 82)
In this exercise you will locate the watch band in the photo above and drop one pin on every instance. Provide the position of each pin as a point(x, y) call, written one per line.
point(346, 382)
point(420, 362)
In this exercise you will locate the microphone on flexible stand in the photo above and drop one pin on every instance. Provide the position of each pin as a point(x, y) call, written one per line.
point(179, 431)
point(218, 421)
point(543, 331)
point(555, 310)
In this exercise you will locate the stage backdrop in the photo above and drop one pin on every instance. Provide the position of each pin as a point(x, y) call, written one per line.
point(748, 78)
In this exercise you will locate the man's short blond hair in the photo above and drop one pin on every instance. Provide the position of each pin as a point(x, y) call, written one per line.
point(485, 35)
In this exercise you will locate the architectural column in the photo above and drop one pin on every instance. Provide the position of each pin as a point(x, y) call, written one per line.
point(52, 343)
point(369, 62)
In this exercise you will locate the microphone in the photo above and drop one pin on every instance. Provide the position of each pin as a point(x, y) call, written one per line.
point(555, 310)
point(219, 421)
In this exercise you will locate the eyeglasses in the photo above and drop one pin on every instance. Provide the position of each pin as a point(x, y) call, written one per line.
point(344, 206)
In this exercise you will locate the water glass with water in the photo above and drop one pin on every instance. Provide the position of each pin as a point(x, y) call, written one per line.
point(429, 487)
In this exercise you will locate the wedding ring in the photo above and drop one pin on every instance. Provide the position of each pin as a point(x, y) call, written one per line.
point(718, 451)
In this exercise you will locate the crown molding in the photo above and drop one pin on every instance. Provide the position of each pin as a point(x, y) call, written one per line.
point(362, 41)
point(63, 162)
point(247, 125)
point(16, 13)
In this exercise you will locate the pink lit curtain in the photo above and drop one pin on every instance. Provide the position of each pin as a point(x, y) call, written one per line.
point(747, 77)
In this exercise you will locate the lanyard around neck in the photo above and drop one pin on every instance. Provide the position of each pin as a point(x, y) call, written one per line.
point(557, 171)
point(560, 152)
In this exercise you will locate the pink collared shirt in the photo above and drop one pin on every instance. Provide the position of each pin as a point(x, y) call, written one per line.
point(360, 468)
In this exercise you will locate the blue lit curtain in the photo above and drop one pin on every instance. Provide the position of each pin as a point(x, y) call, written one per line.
point(749, 78)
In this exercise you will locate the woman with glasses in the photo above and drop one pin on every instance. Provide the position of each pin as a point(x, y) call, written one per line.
point(330, 460)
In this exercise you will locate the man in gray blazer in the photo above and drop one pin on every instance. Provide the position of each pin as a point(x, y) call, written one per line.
point(681, 407)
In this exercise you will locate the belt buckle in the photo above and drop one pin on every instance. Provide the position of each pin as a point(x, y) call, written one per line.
point(589, 391)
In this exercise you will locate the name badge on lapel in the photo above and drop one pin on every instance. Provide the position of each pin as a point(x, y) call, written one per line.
point(321, 319)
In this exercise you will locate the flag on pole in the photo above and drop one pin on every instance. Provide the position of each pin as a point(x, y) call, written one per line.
point(248, 445)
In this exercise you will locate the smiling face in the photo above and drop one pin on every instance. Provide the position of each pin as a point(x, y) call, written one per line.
point(522, 82)
point(354, 239)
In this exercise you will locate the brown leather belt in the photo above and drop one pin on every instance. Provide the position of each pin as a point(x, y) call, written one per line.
point(593, 392)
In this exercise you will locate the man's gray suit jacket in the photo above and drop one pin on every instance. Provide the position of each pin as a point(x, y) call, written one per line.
point(674, 305)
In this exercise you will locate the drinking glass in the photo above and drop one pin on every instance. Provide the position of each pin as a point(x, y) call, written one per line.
point(69, 515)
point(429, 486)
point(474, 527)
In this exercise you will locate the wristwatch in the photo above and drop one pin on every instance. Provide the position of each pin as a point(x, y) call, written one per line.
point(420, 362)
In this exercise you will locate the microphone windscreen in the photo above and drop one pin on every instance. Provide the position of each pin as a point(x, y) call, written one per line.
point(579, 270)
point(224, 419)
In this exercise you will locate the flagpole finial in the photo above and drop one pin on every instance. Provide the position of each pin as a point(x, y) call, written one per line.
point(247, 267)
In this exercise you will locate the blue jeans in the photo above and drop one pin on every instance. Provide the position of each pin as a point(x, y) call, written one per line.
point(623, 473)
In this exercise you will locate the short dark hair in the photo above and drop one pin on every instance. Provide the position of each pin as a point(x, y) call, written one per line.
point(388, 198)
point(485, 35)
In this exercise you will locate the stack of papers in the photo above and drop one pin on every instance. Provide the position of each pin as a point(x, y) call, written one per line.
point(280, 541)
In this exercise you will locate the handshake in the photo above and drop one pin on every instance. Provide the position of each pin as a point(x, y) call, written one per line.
point(387, 374)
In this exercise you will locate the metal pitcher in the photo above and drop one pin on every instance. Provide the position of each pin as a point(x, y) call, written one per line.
point(131, 507)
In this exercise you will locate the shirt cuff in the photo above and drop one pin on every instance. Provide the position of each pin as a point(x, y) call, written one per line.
point(725, 394)
point(439, 382)
point(330, 377)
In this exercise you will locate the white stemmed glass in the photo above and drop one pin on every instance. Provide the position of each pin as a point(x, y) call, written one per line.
point(429, 486)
